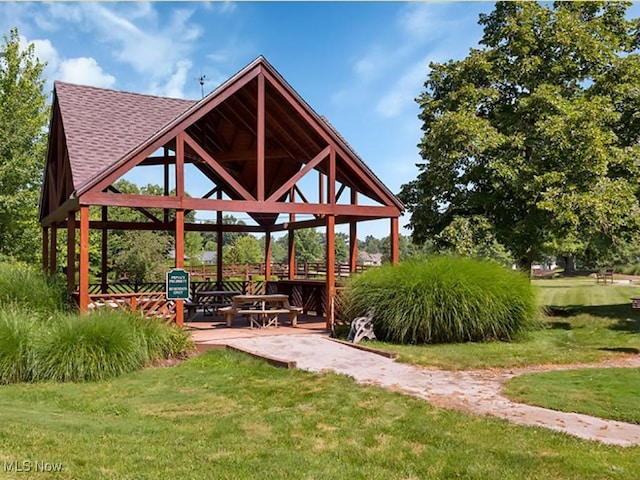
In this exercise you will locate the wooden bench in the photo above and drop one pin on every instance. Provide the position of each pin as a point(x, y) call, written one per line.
point(604, 276)
point(258, 312)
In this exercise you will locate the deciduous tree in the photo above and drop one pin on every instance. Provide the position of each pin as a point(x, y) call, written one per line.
point(23, 118)
point(537, 131)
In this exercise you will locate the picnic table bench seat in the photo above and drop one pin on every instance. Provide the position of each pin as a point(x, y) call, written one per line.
point(259, 315)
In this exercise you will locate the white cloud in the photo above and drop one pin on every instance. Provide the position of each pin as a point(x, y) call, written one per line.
point(85, 71)
point(403, 92)
point(175, 86)
point(45, 52)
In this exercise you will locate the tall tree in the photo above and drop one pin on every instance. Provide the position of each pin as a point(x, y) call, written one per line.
point(23, 118)
point(537, 131)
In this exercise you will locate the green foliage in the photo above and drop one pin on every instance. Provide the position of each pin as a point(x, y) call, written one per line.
point(537, 131)
point(28, 288)
point(443, 299)
point(245, 249)
point(162, 341)
point(16, 334)
point(142, 256)
point(309, 245)
point(23, 118)
point(95, 347)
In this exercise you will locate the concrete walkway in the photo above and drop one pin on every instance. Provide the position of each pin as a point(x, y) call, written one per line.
point(477, 392)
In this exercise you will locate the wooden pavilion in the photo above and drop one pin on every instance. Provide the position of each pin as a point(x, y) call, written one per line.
point(254, 138)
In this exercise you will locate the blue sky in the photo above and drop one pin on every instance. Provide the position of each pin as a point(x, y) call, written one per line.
point(360, 64)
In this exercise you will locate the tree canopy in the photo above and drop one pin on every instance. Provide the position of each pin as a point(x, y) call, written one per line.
point(536, 131)
point(23, 118)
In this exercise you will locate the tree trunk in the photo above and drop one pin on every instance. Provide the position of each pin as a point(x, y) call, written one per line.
point(569, 263)
point(525, 262)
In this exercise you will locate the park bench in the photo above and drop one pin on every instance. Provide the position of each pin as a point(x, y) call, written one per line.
point(605, 276)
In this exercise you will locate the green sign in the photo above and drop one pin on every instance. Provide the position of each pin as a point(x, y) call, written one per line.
point(177, 284)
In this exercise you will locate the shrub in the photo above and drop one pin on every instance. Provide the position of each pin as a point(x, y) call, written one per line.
point(16, 336)
point(93, 347)
point(31, 289)
point(443, 299)
point(162, 341)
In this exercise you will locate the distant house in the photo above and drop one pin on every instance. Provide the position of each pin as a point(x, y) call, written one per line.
point(172, 255)
point(208, 257)
point(370, 259)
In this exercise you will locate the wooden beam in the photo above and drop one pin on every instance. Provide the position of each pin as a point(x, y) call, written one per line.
point(267, 257)
point(103, 250)
point(60, 214)
point(246, 206)
point(291, 240)
point(331, 178)
point(83, 278)
point(143, 211)
point(165, 171)
point(219, 241)
point(301, 173)
point(331, 270)
point(166, 134)
point(353, 237)
point(71, 250)
point(219, 169)
point(395, 241)
point(180, 139)
point(260, 140)
point(53, 251)
point(179, 259)
point(45, 249)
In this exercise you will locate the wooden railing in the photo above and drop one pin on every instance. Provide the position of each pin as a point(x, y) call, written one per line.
point(148, 304)
point(279, 270)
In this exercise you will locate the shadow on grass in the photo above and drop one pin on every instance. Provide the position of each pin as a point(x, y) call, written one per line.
point(630, 350)
point(627, 320)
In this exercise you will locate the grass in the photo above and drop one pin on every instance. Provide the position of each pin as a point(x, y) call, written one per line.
point(24, 285)
point(605, 393)
point(226, 415)
point(592, 323)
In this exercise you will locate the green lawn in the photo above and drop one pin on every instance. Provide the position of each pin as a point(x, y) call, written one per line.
point(226, 415)
point(605, 393)
point(592, 323)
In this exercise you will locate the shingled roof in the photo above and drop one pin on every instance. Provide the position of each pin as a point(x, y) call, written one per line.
point(102, 126)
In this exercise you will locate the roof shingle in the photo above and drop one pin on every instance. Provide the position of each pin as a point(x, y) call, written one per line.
point(101, 126)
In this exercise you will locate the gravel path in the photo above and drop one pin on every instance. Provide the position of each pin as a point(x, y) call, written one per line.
point(477, 391)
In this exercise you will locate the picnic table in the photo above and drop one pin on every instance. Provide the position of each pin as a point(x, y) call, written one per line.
point(261, 310)
point(210, 301)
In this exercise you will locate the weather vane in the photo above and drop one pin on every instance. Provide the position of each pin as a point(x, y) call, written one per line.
point(201, 80)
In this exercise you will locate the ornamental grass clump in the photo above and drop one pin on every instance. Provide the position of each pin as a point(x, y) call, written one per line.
point(443, 299)
point(88, 348)
point(16, 336)
point(161, 340)
point(30, 289)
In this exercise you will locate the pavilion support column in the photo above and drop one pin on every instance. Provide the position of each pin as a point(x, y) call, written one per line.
point(71, 250)
point(180, 260)
point(45, 249)
point(261, 140)
point(353, 237)
point(267, 258)
point(180, 219)
point(395, 241)
point(165, 212)
point(331, 271)
point(53, 245)
point(292, 239)
point(83, 270)
point(104, 286)
point(219, 244)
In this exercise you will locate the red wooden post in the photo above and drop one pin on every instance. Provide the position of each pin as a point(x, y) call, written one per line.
point(103, 252)
point(395, 241)
point(260, 140)
point(331, 272)
point(83, 278)
point(53, 254)
point(45, 249)
point(219, 241)
point(179, 219)
point(292, 239)
point(267, 258)
point(353, 237)
point(71, 250)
